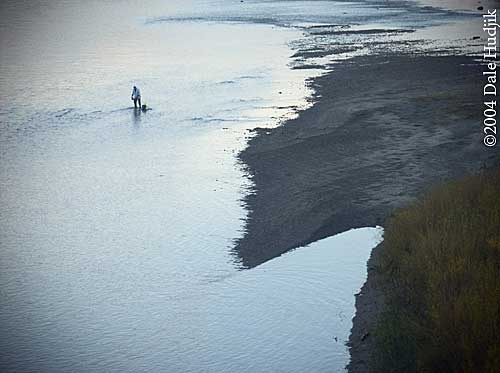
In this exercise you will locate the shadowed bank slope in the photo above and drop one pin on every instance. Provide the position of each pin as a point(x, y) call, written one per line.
point(430, 303)
point(383, 129)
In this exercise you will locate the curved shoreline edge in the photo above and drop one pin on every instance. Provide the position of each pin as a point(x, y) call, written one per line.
point(383, 129)
point(429, 302)
point(369, 304)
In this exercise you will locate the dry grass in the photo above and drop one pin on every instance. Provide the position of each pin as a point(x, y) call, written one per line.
point(441, 259)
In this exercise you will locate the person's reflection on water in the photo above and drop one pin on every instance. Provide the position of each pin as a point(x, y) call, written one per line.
point(136, 118)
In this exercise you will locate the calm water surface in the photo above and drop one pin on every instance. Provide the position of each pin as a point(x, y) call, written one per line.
point(117, 226)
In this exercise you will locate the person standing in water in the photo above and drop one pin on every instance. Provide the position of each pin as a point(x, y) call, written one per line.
point(136, 96)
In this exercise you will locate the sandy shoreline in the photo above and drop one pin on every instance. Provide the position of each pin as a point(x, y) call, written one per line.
point(369, 305)
point(383, 129)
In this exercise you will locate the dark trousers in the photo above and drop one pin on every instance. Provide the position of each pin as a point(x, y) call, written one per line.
point(135, 102)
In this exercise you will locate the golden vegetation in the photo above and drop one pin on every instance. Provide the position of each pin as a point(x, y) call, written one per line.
point(441, 260)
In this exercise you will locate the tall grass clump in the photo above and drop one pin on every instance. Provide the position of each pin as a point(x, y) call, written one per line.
point(441, 263)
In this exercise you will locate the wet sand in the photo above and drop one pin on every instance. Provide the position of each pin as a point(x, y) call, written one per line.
point(369, 305)
point(382, 130)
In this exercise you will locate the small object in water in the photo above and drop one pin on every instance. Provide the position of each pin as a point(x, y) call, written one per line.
point(475, 37)
point(480, 8)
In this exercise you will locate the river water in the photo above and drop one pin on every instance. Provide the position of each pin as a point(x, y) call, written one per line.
point(117, 226)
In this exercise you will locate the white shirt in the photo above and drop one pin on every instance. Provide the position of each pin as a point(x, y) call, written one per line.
point(136, 93)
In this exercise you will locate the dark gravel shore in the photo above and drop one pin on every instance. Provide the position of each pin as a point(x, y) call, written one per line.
point(369, 305)
point(383, 129)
